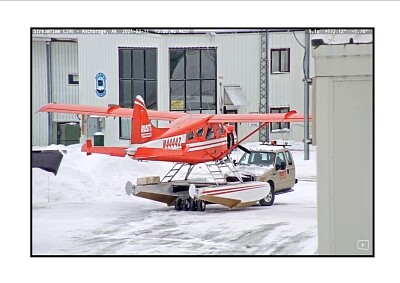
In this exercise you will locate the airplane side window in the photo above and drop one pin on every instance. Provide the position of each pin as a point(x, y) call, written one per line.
point(190, 135)
point(210, 133)
point(199, 132)
point(221, 128)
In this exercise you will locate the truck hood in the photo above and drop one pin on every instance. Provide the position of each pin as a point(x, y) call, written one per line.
point(254, 169)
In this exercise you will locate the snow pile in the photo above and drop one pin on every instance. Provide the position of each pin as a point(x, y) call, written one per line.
point(83, 178)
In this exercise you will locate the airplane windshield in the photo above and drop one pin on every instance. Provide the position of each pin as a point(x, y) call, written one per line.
point(258, 158)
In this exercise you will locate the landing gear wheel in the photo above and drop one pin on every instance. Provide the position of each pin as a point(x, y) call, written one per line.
point(201, 205)
point(178, 204)
point(186, 204)
point(270, 198)
point(193, 204)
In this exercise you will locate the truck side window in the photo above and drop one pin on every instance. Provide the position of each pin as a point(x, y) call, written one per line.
point(280, 158)
point(289, 158)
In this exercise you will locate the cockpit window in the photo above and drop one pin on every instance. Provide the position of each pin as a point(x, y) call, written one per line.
point(190, 135)
point(200, 132)
point(210, 133)
point(221, 128)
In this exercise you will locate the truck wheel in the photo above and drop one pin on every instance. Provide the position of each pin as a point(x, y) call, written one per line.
point(270, 198)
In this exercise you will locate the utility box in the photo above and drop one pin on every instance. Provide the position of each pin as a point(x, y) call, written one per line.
point(68, 133)
point(343, 121)
point(98, 139)
point(93, 125)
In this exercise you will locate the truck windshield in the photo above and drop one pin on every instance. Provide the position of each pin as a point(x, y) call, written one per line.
point(258, 158)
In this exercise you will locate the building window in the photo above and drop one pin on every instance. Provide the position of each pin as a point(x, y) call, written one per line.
point(279, 126)
point(73, 79)
point(193, 80)
point(137, 76)
point(280, 61)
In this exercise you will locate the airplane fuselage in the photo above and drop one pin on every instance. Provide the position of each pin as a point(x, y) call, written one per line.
point(197, 144)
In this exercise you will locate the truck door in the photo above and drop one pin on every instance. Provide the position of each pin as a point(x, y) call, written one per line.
point(290, 170)
point(281, 175)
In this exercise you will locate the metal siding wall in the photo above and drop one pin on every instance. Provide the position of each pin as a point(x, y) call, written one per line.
point(64, 61)
point(99, 53)
point(40, 130)
point(288, 89)
point(173, 41)
point(238, 62)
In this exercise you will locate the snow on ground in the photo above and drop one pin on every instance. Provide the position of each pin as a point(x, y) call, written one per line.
point(84, 211)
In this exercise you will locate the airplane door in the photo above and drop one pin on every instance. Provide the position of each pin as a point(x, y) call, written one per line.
point(231, 111)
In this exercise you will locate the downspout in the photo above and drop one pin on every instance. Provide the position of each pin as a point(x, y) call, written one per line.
point(306, 95)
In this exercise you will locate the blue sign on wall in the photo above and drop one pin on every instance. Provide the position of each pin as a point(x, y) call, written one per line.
point(100, 85)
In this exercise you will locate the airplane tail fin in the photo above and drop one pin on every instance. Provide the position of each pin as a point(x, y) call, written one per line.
point(142, 129)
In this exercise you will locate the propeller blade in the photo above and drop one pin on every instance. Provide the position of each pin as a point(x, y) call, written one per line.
point(243, 148)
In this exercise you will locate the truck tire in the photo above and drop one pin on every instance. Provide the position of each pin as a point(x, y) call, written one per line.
point(270, 198)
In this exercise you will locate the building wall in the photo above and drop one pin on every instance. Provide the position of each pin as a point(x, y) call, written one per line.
point(64, 61)
point(99, 53)
point(287, 89)
point(39, 94)
point(238, 62)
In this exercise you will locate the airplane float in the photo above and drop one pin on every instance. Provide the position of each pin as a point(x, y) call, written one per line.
point(189, 140)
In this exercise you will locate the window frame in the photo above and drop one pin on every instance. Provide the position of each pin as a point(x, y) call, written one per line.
point(280, 50)
point(187, 80)
point(289, 157)
point(145, 81)
point(279, 124)
point(71, 79)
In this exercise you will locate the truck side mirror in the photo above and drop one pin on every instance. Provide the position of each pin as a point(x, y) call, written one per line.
point(283, 165)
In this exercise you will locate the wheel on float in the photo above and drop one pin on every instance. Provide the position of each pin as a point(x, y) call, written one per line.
point(186, 204)
point(193, 204)
point(178, 204)
point(201, 205)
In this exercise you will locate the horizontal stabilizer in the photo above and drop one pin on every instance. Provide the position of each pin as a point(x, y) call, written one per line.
point(109, 150)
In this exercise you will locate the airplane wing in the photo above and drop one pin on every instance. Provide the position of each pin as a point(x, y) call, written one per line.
point(291, 116)
point(113, 111)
